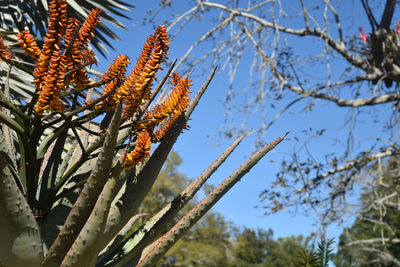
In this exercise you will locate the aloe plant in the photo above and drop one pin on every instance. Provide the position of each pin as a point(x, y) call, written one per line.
point(71, 185)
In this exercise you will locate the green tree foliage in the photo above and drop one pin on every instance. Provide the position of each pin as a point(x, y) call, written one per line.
point(251, 246)
point(374, 238)
point(208, 244)
point(258, 248)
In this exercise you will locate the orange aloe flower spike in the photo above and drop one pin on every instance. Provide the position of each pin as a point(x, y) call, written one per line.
point(28, 44)
point(80, 54)
point(116, 69)
point(137, 89)
point(88, 27)
point(113, 77)
point(176, 101)
point(165, 127)
point(5, 53)
point(69, 37)
point(133, 76)
point(140, 152)
point(169, 110)
point(162, 39)
point(52, 41)
point(52, 86)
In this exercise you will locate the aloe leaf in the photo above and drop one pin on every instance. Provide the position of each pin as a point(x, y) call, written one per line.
point(58, 206)
point(55, 217)
point(48, 140)
point(113, 244)
point(75, 153)
point(161, 246)
point(86, 246)
point(4, 118)
point(5, 102)
point(130, 201)
point(9, 140)
point(7, 132)
point(22, 166)
point(87, 198)
point(24, 150)
point(134, 194)
point(83, 160)
point(198, 95)
point(52, 159)
point(66, 159)
point(134, 244)
point(5, 147)
point(20, 237)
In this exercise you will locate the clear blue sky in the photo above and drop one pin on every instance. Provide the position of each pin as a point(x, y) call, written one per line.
point(198, 150)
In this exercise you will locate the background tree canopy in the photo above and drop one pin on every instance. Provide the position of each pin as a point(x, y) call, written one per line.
point(373, 239)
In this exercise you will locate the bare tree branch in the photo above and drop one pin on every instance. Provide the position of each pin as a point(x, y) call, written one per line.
point(338, 46)
point(384, 256)
point(351, 164)
point(373, 240)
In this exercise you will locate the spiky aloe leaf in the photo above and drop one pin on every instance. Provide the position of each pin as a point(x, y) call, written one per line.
point(20, 237)
point(7, 132)
point(161, 246)
point(134, 244)
point(87, 198)
point(9, 142)
point(130, 201)
point(66, 159)
point(49, 170)
point(8, 124)
point(4, 118)
point(5, 149)
point(113, 244)
point(86, 247)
